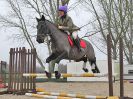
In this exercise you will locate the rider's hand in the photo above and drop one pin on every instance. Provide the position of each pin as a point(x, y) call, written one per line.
point(60, 27)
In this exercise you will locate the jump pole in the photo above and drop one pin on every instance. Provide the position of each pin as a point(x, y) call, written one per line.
point(71, 95)
point(48, 96)
point(65, 75)
point(62, 97)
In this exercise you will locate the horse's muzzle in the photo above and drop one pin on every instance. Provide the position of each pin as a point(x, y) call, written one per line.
point(40, 40)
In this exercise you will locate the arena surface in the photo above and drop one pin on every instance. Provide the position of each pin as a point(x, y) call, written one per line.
point(89, 88)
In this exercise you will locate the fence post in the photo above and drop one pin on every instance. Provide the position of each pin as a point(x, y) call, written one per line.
point(10, 70)
point(3, 72)
point(34, 67)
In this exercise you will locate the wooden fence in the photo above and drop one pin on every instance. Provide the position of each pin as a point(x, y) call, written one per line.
point(21, 61)
point(3, 68)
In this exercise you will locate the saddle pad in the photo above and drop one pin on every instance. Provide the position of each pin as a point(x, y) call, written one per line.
point(82, 42)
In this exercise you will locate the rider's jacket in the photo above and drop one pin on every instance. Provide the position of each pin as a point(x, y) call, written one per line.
point(68, 24)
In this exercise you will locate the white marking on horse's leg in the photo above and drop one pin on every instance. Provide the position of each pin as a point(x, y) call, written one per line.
point(84, 65)
point(93, 66)
point(56, 67)
point(47, 67)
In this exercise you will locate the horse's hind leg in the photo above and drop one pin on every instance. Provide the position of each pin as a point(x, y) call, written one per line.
point(84, 64)
point(84, 59)
point(94, 67)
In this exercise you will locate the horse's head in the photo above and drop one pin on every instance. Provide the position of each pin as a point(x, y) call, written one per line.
point(42, 29)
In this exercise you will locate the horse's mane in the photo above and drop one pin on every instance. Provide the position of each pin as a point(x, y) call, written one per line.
point(55, 26)
point(52, 23)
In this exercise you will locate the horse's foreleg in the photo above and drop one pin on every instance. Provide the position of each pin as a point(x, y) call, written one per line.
point(50, 58)
point(57, 60)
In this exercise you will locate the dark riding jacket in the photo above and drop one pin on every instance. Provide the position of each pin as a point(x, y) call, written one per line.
point(68, 24)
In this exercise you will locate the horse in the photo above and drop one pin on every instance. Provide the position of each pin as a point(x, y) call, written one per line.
point(61, 48)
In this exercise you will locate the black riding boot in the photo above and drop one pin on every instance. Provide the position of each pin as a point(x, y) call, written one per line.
point(77, 42)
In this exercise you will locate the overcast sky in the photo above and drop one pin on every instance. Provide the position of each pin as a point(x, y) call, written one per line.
point(79, 17)
point(4, 43)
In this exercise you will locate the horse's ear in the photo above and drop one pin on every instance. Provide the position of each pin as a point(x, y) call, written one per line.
point(43, 18)
point(37, 19)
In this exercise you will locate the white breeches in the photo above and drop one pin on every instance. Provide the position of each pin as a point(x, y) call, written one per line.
point(75, 35)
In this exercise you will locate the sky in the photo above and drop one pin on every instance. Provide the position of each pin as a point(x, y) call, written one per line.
point(79, 17)
point(4, 43)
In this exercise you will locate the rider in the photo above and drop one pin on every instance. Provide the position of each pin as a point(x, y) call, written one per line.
point(66, 24)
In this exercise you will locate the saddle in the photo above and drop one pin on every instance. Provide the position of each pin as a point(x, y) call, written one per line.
point(71, 42)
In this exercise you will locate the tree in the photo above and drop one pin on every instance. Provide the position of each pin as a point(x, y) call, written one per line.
point(22, 18)
point(115, 18)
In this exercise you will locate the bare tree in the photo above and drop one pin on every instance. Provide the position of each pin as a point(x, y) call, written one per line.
point(22, 18)
point(16, 20)
point(128, 35)
point(115, 18)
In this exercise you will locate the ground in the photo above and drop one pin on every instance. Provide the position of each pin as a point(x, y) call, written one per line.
point(89, 88)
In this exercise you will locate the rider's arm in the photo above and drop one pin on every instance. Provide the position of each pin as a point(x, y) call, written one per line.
point(70, 26)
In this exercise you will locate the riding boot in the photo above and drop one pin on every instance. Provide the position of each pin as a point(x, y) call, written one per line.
point(77, 42)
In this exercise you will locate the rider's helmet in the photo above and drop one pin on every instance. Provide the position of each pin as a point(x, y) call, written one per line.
point(63, 8)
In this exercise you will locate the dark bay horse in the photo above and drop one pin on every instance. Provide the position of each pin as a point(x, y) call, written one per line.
point(61, 48)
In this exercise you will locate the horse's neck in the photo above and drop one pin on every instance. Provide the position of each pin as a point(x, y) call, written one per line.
point(56, 35)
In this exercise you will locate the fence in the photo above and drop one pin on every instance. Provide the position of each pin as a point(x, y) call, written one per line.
point(3, 68)
point(21, 61)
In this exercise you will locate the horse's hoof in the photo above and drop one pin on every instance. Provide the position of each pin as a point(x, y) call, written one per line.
point(34, 91)
point(95, 71)
point(48, 74)
point(98, 71)
point(57, 75)
point(85, 70)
